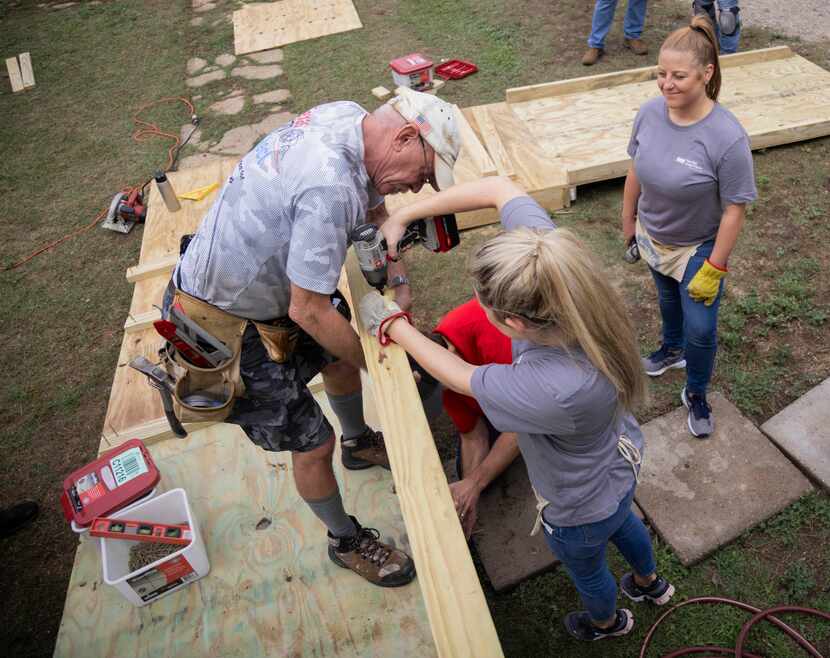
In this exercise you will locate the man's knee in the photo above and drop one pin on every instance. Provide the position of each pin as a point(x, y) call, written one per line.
point(341, 377)
point(729, 20)
point(315, 456)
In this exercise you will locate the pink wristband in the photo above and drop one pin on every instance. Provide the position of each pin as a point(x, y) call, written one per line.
point(382, 337)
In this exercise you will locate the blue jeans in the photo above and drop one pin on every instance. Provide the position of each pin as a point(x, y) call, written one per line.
point(689, 325)
point(728, 44)
point(635, 19)
point(581, 549)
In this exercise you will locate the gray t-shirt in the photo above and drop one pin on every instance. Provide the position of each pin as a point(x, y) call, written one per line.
point(689, 174)
point(566, 413)
point(283, 216)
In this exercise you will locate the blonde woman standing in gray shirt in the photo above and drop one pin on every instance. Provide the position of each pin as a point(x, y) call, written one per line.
point(684, 203)
point(568, 393)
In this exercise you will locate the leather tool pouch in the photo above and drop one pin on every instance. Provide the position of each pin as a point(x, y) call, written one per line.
point(279, 337)
point(208, 394)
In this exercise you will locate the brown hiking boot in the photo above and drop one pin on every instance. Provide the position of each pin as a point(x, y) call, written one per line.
point(364, 451)
point(379, 563)
point(592, 56)
point(636, 46)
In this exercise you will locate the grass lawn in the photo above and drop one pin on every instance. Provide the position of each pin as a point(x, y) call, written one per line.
point(67, 150)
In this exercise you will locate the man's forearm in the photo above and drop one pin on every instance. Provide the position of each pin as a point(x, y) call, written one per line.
point(335, 334)
point(501, 455)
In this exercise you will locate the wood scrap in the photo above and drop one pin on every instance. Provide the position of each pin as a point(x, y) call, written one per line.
point(26, 71)
point(381, 92)
point(15, 77)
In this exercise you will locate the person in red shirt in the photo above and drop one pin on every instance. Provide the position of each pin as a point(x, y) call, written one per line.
point(467, 332)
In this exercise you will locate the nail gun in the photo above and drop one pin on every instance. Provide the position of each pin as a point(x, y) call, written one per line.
point(438, 234)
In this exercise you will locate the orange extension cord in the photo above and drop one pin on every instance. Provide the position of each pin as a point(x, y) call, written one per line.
point(144, 130)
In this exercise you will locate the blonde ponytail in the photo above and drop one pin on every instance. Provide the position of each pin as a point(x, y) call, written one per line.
point(549, 280)
point(699, 39)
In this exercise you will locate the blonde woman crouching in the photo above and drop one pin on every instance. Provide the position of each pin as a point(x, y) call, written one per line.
point(575, 376)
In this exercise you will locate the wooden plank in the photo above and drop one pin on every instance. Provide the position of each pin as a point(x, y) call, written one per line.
point(271, 25)
point(141, 321)
point(617, 78)
point(493, 142)
point(270, 592)
point(458, 614)
point(163, 265)
point(15, 78)
point(478, 154)
point(26, 71)
point(155, 431)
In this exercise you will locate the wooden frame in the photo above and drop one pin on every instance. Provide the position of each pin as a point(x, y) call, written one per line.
point(617, 78)
point(458, 614)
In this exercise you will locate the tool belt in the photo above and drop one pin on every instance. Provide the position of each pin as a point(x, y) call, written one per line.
point(207, 394)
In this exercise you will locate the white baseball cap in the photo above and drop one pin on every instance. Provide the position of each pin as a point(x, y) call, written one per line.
point(436, 122)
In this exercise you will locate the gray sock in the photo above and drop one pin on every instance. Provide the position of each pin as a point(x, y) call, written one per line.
point(349, 411)
point(331, 512)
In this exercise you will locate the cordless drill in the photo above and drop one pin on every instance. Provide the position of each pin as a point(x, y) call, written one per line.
point(438, 234)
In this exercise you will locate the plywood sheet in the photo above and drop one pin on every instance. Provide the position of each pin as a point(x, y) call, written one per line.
point(777, 98)
point(15, 77)
point(270, 592)
point(261, 26)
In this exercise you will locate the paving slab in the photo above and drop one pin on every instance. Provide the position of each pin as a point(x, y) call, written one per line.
point(257, 72)
point(203, 79)
point(225, 59)
point(802, 431)
point(273, 56)
point(506, 512)
point(275, 96)
point(195, 64)
point(700, 494)
point(228, 106)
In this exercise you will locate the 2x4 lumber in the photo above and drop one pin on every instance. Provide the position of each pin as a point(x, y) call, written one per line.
point(150, 432)
point(141, 321)
point(26, 71)
point(15, 78)
point(478, 154)
point(617, 78)
point(458, 615)
point(151, 269)
point(492, 140)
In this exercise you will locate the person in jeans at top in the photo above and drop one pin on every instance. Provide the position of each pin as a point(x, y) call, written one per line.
point(635, 19)
point(574, 377)
point(684, 202)
point(727, 22)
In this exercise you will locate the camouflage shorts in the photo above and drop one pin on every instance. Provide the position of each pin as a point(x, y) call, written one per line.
point(278, 411)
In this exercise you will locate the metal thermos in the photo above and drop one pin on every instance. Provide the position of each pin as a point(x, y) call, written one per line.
point(167, 192)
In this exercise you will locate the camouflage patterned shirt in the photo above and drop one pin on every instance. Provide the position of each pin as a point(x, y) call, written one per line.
point(284, 215)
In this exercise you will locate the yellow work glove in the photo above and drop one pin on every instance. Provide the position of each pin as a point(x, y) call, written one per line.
point(705, 284)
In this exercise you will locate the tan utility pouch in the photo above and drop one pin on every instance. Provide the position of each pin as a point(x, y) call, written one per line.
point(208, 394)
point(279, 337)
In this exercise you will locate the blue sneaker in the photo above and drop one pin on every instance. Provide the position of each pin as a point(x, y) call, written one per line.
point(700, 421)
point(580, 626)
point(656, 363)
point(659, 592)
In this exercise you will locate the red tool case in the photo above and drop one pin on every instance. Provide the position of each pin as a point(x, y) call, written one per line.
point(117, 478)
point(455, 69)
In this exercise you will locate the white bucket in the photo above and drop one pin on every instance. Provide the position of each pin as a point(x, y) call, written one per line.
point(163, 576)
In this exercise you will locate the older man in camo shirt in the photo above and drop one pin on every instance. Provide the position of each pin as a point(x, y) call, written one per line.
point(273, 245)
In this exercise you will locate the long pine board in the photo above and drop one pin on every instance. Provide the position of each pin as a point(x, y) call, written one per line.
point(269, 25)
point(458, 614)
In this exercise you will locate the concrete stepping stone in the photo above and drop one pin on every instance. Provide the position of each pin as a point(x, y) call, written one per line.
point(257, 72)
point(506, 512)
point(195, 64)
point(228, 106)
point(186, 129)
point(225, 59)
point(276, 96)
point(700, 494)
point(239, 141)
point(802, 431)
point(273, 56)
point(203, 79)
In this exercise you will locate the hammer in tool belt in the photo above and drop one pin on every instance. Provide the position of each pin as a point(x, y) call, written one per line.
point(164, 383)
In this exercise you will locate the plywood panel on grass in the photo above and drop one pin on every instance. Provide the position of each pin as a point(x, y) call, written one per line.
point(777, 96)
point(458, 614)
point(26, 71)
point(15, 78)
point(270, 592)
point(261, 26)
